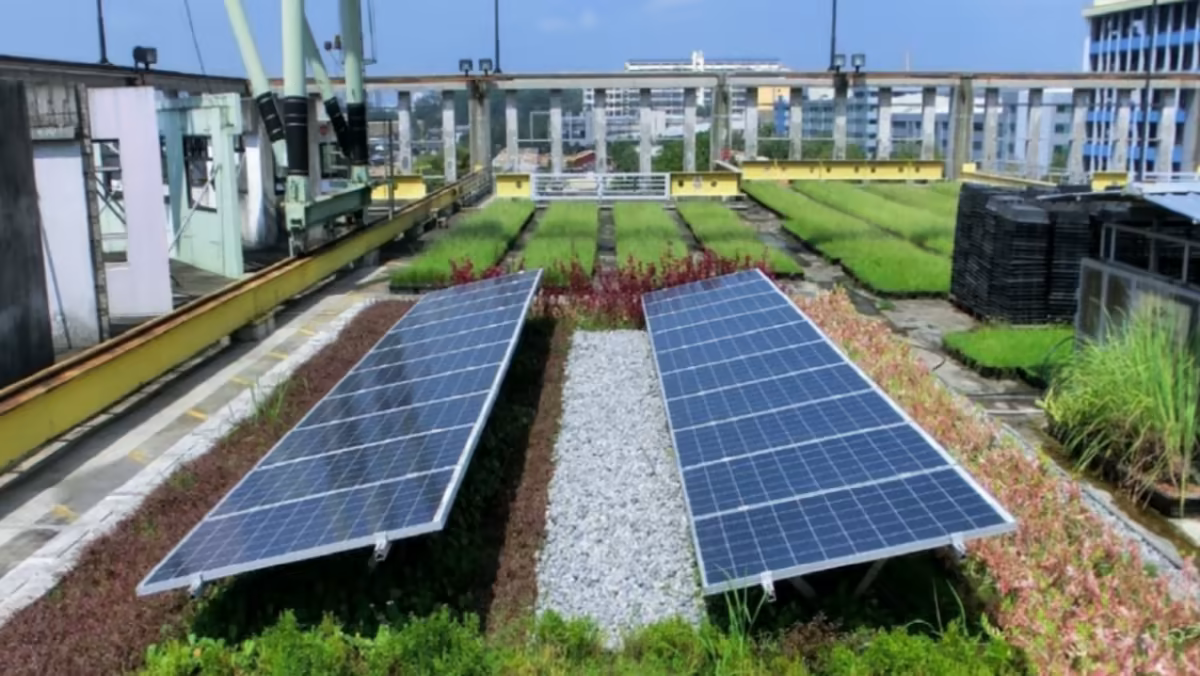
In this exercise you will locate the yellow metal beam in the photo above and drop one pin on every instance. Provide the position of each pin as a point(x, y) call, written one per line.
point(705, 184)
point(513, 186)
point(971, 174)
point(406, 187)
point(1103, 180)
point(843, 170)
point(53, 401)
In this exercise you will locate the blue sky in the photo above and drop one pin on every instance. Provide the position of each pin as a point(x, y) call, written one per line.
point(581, 35)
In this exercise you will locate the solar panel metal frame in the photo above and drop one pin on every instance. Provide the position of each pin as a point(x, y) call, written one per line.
point(1008, 525)
point(439, 521)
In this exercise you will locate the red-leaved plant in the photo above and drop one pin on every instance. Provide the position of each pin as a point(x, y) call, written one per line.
point(1071, 593)
point(613, 297)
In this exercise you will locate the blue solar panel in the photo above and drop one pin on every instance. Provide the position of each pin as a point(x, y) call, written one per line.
point(378, 458)
point(792, 460)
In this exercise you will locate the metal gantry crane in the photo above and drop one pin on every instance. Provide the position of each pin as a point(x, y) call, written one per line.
point(310, 219)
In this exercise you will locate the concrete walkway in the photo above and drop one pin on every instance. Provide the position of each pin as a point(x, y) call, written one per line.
point(39, 503)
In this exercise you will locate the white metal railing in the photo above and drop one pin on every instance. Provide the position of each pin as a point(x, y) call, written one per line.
point(1169, 177)
point(601, 187)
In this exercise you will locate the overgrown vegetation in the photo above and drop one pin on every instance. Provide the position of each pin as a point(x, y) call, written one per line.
point(482, 238)
point(1030, 352)
point(1131, 404)
point(919, 226)
point(880, 261)
point(720, 230)
point(442, 643)
point(646, 234)
point(566, 232)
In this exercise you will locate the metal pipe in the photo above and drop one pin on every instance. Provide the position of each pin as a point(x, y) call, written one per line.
point(333, 107)
point(350, 12)
point(1147, 98)
point(833, 35)
point(295, 100)
point(104, 40)
point(260, 87)
point(496, 26)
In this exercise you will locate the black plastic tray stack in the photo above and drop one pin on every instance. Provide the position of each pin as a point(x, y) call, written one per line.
point(1016, 259)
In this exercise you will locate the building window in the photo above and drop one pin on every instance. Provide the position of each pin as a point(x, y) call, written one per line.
point(1060, 129)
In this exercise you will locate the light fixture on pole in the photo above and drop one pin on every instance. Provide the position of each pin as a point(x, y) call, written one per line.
point(103, 39)
point(496, 27)
point(858, 62)
point(837, 63)
point(144, 57)
point(466, 66)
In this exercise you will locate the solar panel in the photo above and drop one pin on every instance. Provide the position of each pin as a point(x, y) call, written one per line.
point(793, 460)
point(381, 456)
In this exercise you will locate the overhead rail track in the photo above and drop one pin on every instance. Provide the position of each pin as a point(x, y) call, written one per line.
point(53, 71)
point(49, 403)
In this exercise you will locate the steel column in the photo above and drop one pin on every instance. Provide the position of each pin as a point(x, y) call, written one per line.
point(350, 12)
point(1033, 135)
point(991, 128)
point(840, 92)
point(449, 139)
point(689, 129)
point(883, 133)
point(1080, 100)
point(600, 129)
point(750, 117)
point(645, 132)
point(1167, 120)
point(333, 107)
point(295, 115)
point(511, 129)
point(929, 123)
point(264, 98)
point(404, 131)
point(556, 131)
point(796, 123)
point(1121, 129)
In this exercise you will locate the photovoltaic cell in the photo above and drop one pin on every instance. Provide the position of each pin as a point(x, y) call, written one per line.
point(792, 460)
point(380, 457)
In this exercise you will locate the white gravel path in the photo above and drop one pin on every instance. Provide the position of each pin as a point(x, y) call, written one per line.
point(618, 545)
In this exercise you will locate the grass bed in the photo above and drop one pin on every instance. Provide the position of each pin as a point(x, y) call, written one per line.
point(880, 261)
point(646, 234)
point(720, 230)
point(1031, 353)
point(482, 238)
point(948, 188)
point(566, 231)
point(918, 196)
point(921, 227)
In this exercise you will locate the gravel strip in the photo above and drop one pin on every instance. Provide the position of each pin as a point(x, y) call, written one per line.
point(618, 544)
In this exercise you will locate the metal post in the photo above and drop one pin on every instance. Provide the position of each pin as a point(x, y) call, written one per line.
point(1147, 98)
point(356, 107)
point(391, 171)
point(496, 27)
point(103, 40)
point(333, 107)
point(295, 114)
point(264, 98)
point(833, 36)
point(92, 208)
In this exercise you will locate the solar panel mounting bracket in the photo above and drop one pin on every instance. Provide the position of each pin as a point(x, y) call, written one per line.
point(869, 577)
point(768, 585)
point(196, 585)
point(801, 585)
point(382, 546)
point(958, 545)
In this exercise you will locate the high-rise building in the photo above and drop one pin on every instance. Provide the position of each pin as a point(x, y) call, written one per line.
point(625, 102)
point(1133, 36)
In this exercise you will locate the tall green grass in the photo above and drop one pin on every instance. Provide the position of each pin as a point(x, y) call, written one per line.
point(646, 234)
point(482, 238)
point(881, 261)
point(917, 196)
point(915, 225)
point(566, 231)
point(1134, 399)
point(722, 232)
point(949, 188)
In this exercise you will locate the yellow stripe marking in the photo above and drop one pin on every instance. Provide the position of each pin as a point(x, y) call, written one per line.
point(198, 415)
point(241, 381)
point(277, 355)
point(64, 512)
point(139, 457)
point(307, 332)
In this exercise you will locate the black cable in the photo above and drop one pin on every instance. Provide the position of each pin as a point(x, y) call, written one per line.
point(187, 7)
